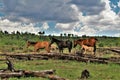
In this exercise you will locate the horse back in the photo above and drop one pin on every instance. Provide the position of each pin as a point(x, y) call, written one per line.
point(30, 43)
point(90, 41)
point(42, 44)
point(65, 44)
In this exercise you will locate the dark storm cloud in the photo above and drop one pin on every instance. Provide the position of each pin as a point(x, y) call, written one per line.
point(90, 7)
point(40, 10)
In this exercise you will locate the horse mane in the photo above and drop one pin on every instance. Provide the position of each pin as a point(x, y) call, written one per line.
point(80, 39)
point(56, 39)
point(31, 42)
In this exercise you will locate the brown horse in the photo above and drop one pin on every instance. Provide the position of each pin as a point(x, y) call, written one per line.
point(90, 42)
point(39, 45)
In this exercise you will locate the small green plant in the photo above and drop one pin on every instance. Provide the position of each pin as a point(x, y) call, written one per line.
point(101, 45)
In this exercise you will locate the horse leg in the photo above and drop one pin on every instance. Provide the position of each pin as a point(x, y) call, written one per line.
point(59, 49)
point(47, 49)
point(82, 50)
point(36, 49)
point(69, 50)
point(62, 50)
point(94, 49)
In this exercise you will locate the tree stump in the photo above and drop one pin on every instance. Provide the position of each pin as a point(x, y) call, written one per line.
point(85, 74)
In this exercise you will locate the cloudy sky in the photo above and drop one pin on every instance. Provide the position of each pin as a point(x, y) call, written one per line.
point(79, 17)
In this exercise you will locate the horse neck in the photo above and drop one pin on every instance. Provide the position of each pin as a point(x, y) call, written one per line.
point(31, 43)
point(80, 43)
point(56, 41)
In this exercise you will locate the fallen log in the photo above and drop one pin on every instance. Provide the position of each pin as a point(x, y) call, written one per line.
point(43, 73)
point(23, 73)
point(2, 59)
point(117, 50)
point(47, 56)
point(55, 77)
point(11, 74)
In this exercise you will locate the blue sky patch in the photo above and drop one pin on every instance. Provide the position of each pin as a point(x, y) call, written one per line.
point(114, 6)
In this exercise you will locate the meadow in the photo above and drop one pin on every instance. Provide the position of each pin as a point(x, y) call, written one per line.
point(68, 69)
point(16, 43)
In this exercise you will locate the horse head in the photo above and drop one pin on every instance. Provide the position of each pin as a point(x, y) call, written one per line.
point(79, 41)
point(27, 44)
point(74, 43)
point(53, 40)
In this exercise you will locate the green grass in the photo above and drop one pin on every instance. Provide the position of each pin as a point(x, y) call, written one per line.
point(17, 43)
point(69, 69)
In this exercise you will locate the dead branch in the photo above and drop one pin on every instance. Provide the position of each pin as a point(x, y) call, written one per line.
point(10, 65)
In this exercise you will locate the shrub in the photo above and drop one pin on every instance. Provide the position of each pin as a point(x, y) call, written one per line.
point(101, 45)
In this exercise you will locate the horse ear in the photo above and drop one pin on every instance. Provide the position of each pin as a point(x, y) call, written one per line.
point(50, 37)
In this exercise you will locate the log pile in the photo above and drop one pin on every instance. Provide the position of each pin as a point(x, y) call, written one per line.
point(23, 73)
point(11, 72)
point(47, 56)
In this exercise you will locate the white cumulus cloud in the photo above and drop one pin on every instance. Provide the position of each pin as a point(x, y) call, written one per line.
point(119, 4)
point(72, 16)
point(6, 25)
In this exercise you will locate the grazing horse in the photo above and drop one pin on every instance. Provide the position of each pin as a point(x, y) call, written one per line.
point(62, 44)
point(90, 42)
point(39, 45)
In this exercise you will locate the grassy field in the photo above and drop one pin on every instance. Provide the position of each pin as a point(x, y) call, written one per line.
point(16, 43)
point(68, 69)
point(13, 43)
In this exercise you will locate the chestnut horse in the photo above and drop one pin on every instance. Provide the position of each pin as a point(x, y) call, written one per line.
point(90, 42)
point(39, 45)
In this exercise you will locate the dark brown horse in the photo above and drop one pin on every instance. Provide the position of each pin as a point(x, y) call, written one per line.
point(90, 42)
point(39, 45)
point(62, 44)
